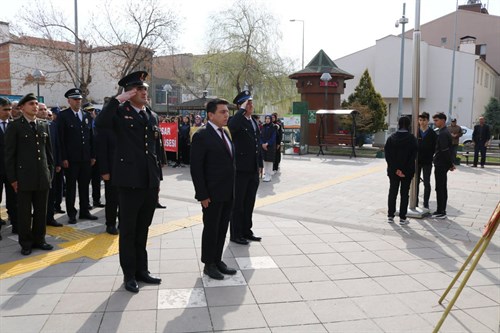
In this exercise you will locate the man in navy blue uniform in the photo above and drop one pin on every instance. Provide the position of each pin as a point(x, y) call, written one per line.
point(136, 173)
point(246, 137)
point(77, 154)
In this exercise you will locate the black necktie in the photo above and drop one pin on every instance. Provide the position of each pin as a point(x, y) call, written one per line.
point(4, 126)
point(143, 115)
point(33, 126)
point(77, 116)
point(225, 142)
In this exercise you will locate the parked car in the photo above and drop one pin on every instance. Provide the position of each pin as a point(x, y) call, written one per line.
point(466, 138)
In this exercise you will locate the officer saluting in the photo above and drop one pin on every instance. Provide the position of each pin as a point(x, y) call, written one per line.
point(136, 173)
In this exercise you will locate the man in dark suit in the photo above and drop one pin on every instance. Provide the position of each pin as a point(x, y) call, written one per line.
point(136, 173)
point(58, 179)
point(11, 204)
point(246, 137)
point(213, 172)
point(77, 154)
point(29, 165)
point(481, 138)
point(56, 152)
point(95, 176)
point(106, 147)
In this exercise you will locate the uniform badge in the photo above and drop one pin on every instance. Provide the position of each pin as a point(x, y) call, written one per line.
point(86, 121)
point(156, 135)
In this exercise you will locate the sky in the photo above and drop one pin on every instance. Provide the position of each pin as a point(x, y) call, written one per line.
point(338, 27)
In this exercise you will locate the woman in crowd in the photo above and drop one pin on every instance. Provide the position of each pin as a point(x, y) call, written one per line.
point(268, 143)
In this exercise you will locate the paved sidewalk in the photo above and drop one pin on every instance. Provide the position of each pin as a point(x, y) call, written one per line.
point(328, 262)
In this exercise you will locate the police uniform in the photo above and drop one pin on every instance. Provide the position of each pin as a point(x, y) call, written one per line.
point(137, 174)
point(29, 162)
point(246, 135)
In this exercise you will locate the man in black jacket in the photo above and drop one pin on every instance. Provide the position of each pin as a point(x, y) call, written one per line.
point(136, 173)
point(443, 162)
point(426, 145)
point(400, 154)
point(481, 139)
point(213, 171)
point(246, 135)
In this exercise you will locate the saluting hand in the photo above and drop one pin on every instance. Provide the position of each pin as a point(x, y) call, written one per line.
point(126, 95)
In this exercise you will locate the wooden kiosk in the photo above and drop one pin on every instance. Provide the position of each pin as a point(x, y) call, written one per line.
point(326, 139)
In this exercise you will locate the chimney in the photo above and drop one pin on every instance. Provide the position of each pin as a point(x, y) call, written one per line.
point(468, 44)
point(4, 32)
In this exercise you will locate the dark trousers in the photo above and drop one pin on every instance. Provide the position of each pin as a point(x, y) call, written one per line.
point(31, 227)
point(137, 207)
point(454, 149)
point(246, 186)
point(96, 183)
point(480, 148)
point(394, 183)
point(58, 186)
point(11, 200)
point(77, 172)
point(51, 201)
point(277, 159)
point(111, 209)
point(441, 177)
point(215, 223)
point(424, 172)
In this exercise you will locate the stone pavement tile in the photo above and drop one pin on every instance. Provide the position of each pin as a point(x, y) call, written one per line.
point(264, 276)
point(82, 302)
point(315, 328)
point(361, 257)
point(482, 277)
point(249, 330)
point(183, 320)
point(127, 301)
point(453, 251)
point(304, 239)
point(278, 250)
point(167, 254)
point(342, 272)
point(326, 259)
point(252, 250)
point(490, 260)
point(60, 270)
point(154, 254)
point(21, 305)
point(304, 274)
point(278, 240)
point(394, 255)
point(77, 322)
point(11, 285)
point(185, 233)
point(268, 233)
point(181, 280)
point(404, 243)
point(414, 266)
point(382, 306)
point(434, 281)
point(311, 291)
point(229, 280)
point(236, 317)
point(492, 291)
point(458, 321)
point(83, 284)
point(363, 236)
point(334, 238)
point(379, 269)
point(298, 260)
point(179, 266)
point(318, 228)
point(311, 248)
point(450, 265)
point(421, 301)
point(426, 253)
point(130, 321)
point(295, 231)
point(469, 298)
point(233, 295)
point(336, 310)
point(489, 317)
point(295, 313)
point(181, 298)
point(44, 285)
point(98, 268)
point(360, 287)
point(353, 326)
point(181, 243)
point(347, 247)
point(377, 245)
point(274, 293)
point(405, 323)
point(399, 284)
point(254, 262)
point(29, 323)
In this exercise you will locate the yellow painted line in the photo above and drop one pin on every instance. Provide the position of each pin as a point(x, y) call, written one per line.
point(82, 243)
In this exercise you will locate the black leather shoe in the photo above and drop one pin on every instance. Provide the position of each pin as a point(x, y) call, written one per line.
point(88, 217)
point(160, 206)
point(59, 211)
point(72, 220)
point(99, 204)
point(212, 271)
point(54, 223)
point(132, 286)
point(253, 238)
point(240, 240)
point(222, 267)
point(147, 278)
point(3, 222)
point(43, 246)
point(25, 251)
point(111, 230)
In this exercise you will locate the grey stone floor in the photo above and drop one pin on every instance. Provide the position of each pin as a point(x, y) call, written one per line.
point(328, 262)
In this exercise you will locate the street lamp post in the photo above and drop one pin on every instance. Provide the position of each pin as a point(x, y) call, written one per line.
point(303, 28)
point(325, 77)
point(403, 20)
point(38, 75)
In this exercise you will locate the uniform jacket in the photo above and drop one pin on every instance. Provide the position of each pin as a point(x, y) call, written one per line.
point(75, 136)
point(2, 150)
point(106, 148)
point(246, 141)
point(400, 153)
point(56, 146)
point(476, 134)
point(136, 162)
point(212, 166)
point(28, 157)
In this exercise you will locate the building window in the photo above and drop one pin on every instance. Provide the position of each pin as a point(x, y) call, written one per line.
point(160, 95)
point(486, 80)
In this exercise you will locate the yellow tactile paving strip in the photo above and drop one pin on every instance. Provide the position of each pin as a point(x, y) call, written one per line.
point(81, 243)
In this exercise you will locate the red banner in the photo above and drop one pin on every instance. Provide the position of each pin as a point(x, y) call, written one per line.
point(169, 135)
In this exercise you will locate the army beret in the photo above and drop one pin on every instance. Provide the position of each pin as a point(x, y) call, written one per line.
point(27, 98)
point(242, 97)
point(73, 93)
